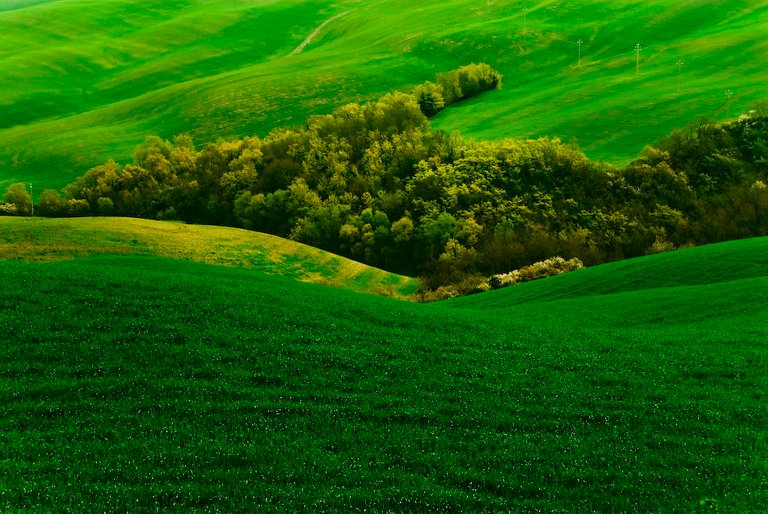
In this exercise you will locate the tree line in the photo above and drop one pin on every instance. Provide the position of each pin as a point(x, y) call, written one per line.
point(372, 182)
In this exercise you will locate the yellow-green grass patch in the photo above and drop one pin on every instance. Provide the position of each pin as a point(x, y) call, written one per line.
point(42, 239)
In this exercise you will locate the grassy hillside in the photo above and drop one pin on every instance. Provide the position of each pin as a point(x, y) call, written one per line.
point(696, 59)
point(718, 264)
point(38, 239)
point(141, 383)
point(87, 81)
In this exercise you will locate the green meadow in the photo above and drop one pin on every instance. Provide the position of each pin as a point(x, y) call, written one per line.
point(87, 81)
point(144, 383)
point(159, 366)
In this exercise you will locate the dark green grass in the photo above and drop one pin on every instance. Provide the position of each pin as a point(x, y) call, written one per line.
point(137, 383)
point(706, 265)
point(88, 81)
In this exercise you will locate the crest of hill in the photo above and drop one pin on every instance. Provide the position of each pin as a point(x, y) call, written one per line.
point(100, 76)
point(742, 263)
point(41, 239)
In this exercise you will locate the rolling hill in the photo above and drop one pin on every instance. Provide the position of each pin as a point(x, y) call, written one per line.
point(38, 239)
point(159, 366)
point(146, 383)
point(87, 81)
point(720, 263)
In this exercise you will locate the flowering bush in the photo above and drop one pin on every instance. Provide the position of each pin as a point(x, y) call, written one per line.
point(541, 269)
point(8, 209)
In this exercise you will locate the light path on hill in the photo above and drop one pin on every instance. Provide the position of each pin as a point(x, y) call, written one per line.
point(316, 32)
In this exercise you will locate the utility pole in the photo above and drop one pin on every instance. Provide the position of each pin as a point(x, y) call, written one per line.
point(579, 42)
point(32, 198)
point(637, 62)
point(525, 19)
point(729, 96)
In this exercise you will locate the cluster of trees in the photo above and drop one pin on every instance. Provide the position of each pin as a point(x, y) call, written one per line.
point(455, 86)
point(374, 183)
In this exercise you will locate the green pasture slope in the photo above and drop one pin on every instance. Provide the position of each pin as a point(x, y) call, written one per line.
point(85, 81)
point(136, 383)
point(42, 239)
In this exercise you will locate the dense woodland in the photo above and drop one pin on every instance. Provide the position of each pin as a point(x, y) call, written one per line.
point(374, 183)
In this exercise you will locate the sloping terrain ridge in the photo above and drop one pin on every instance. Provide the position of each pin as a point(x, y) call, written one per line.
point(39, 239)
point(144, 383)
point(87, 81)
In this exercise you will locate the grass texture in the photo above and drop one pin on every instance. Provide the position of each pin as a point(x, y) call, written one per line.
point(139, 383)
point(87, 81)
point(41, 239)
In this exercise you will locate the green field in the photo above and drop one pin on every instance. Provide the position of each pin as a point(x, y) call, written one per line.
point(40, 239)
point(140, 383)
point(85, 81)
point(160, 366)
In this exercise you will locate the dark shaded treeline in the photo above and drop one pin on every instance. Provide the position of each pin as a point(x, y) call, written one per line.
point(373, 183)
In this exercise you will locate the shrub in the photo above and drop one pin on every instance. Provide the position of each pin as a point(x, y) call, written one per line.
point(465, 285)
point(430, 98)
point(105, 205)
point(8, 209)
point(18, 196)
point(51, 204)
point(660, 245)
point(77, 207)
point(542, 269)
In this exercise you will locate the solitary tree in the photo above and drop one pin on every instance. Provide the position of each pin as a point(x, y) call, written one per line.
point(17, 195)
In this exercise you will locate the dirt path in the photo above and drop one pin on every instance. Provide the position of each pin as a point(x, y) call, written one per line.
point(304, 43)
